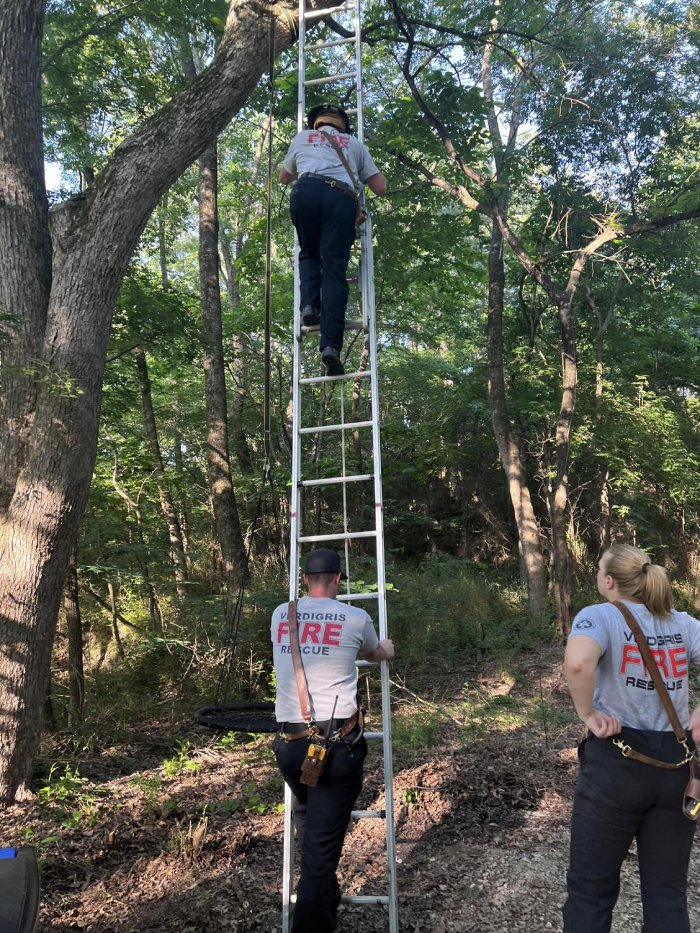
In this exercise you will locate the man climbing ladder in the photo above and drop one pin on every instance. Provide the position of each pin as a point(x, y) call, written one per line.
point(328, 165)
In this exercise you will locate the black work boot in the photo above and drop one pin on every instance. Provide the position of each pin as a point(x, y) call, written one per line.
point(310, 316)
point(330, 358)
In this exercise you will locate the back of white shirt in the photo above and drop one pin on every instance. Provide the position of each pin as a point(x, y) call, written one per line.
point(331, 634)
point(310, 151)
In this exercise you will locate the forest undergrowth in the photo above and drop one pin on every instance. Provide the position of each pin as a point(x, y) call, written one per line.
point(176, 828)
point(144, 821)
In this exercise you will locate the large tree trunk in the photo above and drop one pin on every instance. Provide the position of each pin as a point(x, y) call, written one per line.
point(61, 317)
point(532, 559)
point(167, 505)
point(238, 360)
point(154, 611)
point(76, 673)
point(24, 235)
point(559, 497)
point(226, 520)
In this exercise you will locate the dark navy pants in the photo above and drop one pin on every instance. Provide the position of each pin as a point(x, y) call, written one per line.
point(617, 800)
point(324, 219)
point(321, 817)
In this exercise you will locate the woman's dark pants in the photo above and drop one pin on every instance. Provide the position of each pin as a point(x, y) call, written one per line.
point(324, 218)
point(617, 800)
point(321, 817)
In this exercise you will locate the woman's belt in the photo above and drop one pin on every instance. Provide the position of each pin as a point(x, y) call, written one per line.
point(630, 752)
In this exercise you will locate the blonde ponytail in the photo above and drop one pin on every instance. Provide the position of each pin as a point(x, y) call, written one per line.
point(638, 578)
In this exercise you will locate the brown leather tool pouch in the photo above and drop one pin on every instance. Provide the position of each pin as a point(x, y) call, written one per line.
point(315, 761)
point(360, 216)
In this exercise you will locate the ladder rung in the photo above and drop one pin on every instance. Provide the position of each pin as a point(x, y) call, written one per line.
point(364, 899)
point(341, 77)
point(350, 597)
point(328, 45)
point(368, 814)
point(346, 536)
point(362, 663)
point(330, 481)
point(373, 735)
point(345, 426)
point(320, 14)
point(352, 324)
point(311, 380)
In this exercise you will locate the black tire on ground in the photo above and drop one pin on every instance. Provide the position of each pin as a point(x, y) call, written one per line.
point(238, 717)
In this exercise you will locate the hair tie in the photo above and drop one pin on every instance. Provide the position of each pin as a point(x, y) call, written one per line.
point(645, 566)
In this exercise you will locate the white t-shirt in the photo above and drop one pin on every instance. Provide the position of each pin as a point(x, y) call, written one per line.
point(310, 151)
point(331, 635)
point(624, 687)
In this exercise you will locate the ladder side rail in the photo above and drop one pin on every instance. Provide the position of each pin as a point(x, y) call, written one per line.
point(385, 686)
point(358, 71)
point(367, 274)
point(301, 68)
point(295, 498)
point(287, 861)
point(344, 472)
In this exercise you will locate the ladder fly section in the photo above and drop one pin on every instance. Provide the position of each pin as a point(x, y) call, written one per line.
point(336, 454)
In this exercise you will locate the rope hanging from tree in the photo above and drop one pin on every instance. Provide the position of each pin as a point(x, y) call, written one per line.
point(249, 717)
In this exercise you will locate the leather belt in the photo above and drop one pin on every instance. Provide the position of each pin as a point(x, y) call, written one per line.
point(291, 731)
point(333, 182)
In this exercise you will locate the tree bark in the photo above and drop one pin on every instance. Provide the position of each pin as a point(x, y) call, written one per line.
point(532, 559)
point(166, 500)
point(226, 520)
point(240, 445)
point(115, 615)
point(25, 244)
point(76, 673)
point(532, 562)
point(155, 614)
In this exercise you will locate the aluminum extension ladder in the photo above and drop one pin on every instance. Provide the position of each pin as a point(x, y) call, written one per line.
point(332, 55)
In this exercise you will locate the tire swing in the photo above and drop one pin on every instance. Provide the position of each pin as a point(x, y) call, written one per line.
point(238, 717)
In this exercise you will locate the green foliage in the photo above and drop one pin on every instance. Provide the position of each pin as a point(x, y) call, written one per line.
point(457, 608)
point(252, 799)
point(180, 762)
point(70, 798)
point(418, 730)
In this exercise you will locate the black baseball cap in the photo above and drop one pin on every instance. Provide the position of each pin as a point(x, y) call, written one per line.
point(323, 560)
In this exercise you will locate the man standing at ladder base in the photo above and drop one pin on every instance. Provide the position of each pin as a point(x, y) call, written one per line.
point(323, 206)
point(330, 635)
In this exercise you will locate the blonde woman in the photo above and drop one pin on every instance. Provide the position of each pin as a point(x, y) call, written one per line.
point(617, 798)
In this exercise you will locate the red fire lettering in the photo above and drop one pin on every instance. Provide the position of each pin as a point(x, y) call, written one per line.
point(331, 633)
point(311, 632)
point(661, 658)
point(282, 629)
point(679, 661)
point(630, 655)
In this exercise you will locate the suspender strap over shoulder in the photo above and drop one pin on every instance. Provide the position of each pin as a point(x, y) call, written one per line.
point(346, 165)
point(662, 692)
point(299, 672)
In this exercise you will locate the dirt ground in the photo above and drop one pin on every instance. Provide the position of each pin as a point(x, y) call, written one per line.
point(481, 813)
